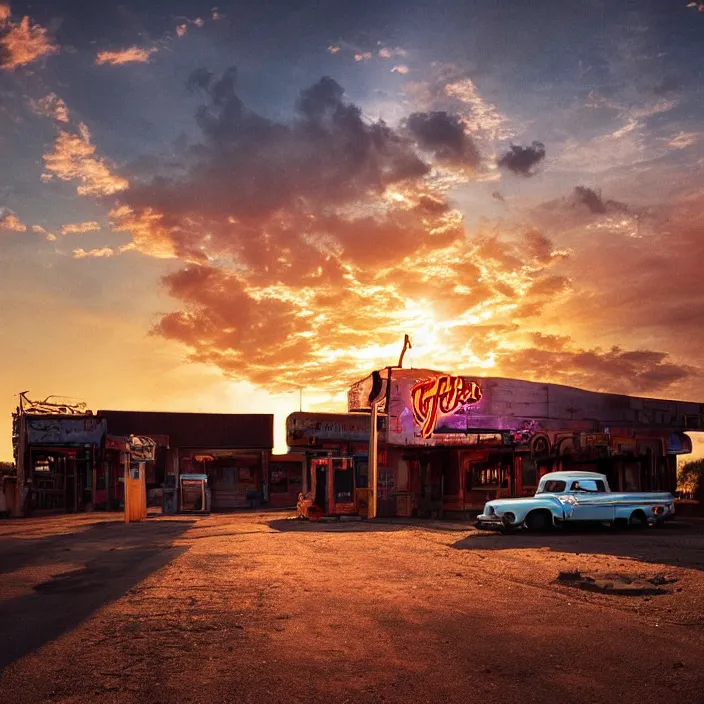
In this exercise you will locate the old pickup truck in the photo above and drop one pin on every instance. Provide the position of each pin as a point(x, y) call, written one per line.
point(575, 497)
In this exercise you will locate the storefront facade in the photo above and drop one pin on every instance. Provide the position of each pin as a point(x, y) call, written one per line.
point(286, 479)
point(462, 441)
point(56, 457)
point(233, 450)
point(317, 435)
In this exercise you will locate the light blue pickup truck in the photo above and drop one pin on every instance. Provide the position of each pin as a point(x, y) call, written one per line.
point(576, 497)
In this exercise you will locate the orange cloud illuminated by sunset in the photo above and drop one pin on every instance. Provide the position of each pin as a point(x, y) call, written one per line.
point(79, 228)
point(49, 236)
point(132, 54)
point(53, 107)
point(9, 221)
point(73, 158)
point(22, 42)
point(81, 253)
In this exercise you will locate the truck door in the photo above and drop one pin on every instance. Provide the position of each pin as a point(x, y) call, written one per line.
point(593, 503)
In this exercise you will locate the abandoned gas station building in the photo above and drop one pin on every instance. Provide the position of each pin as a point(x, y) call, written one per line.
point(233, 450)
point(69, 459)
point(444, 441)
point(464, 440)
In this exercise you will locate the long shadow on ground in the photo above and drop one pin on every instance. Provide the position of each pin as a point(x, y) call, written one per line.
point(291, 525)
point(380, 525)
point(109, 559)
point(677, 546)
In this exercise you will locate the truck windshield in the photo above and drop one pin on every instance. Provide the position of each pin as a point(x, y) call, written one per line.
point(552, 486)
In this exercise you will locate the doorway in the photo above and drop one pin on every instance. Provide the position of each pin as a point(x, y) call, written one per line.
point(321, 486)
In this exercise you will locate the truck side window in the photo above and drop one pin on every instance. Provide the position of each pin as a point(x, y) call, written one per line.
point(589, 485)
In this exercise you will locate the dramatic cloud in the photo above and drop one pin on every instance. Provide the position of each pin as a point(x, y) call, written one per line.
point(521, 160)
point(125, 56)
point(307, 250)
point(482, 119)
point(150, 231)
point(249, 167)
point(362, 53)
point(22, 42)
point(313, 246)
point(585, 209)
point(386, 53)
point(401, 68)
point(74, 159)
point(99, 253)
point(613, 370)
point(10, 221)
point(79, 228)
point(51, 106)
point(593, 201)
point(49, 236)
point(443, 135)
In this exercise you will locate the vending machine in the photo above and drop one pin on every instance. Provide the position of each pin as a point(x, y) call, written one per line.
point(194, 495)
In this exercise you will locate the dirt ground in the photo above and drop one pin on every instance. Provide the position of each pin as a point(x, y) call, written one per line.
point(256, 607)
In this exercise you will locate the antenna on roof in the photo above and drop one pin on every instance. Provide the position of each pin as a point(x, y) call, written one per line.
point(406, 346)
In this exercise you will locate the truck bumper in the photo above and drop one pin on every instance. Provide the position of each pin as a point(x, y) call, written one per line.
point(492, 522)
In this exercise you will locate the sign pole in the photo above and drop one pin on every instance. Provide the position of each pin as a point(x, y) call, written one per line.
point(128, 494)
point(373, 460)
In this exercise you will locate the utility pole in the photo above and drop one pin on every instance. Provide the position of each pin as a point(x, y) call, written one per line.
point(373, 469)
point(406, 346)
point(377, 396)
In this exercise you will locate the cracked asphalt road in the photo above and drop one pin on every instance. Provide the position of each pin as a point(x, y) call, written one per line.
point(254, 607)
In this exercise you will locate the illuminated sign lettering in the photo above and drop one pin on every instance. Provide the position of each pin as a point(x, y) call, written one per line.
point(441, 393)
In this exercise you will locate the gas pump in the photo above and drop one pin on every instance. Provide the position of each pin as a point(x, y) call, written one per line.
point(139, 451)
point(332, 493)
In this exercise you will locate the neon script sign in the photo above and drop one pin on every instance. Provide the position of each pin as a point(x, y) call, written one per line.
point(440, 393)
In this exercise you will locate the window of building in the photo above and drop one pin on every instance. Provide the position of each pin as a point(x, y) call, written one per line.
point(285, 476)
point(530, 472)
point(43, 465)
point(485, 475)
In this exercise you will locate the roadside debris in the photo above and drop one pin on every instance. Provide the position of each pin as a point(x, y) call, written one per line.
point(612, 583)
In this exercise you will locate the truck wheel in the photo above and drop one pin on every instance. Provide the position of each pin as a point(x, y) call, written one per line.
point(637, 520)
point(538, 521)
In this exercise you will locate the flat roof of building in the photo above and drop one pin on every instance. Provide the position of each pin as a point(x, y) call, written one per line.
point(198, 430)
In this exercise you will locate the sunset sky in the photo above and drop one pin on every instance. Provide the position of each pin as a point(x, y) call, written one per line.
point(208, 208)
